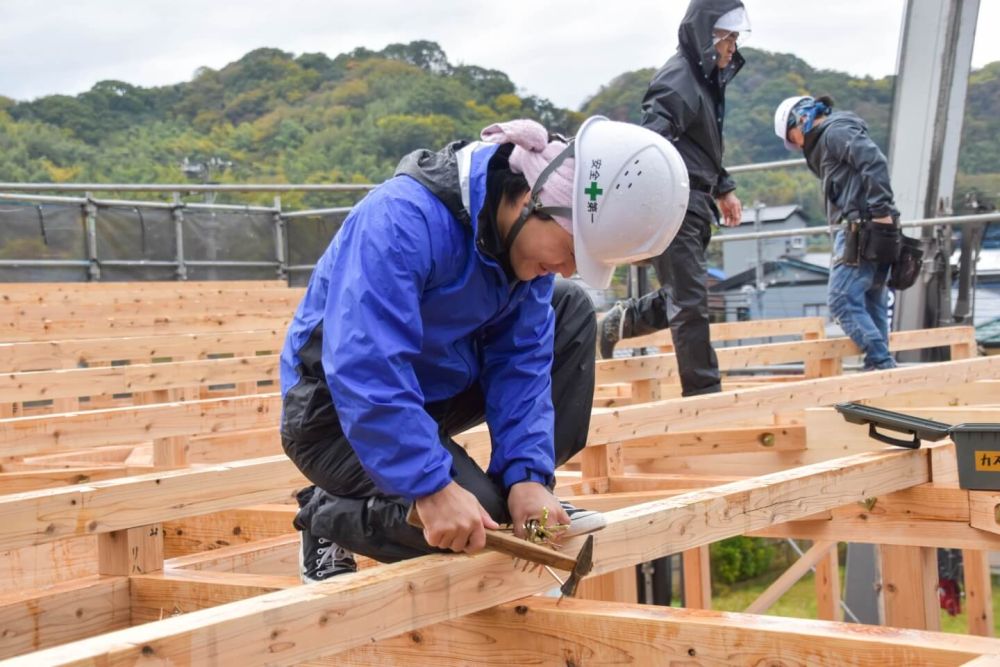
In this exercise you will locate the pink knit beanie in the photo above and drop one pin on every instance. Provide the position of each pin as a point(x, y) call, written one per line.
point(532, 153)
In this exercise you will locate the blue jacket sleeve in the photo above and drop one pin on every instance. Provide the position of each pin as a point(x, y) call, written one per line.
point(372, 332)
point(858, 150)
point(517, 383)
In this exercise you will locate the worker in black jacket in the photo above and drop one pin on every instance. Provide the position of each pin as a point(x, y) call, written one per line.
point(686, 104)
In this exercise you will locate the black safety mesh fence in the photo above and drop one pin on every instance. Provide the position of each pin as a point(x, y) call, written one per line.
point(42, 231)
point(136, 234)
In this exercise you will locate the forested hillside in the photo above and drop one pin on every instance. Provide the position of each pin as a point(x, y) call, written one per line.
point(310, 118)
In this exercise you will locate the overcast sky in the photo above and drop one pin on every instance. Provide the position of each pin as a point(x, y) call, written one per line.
point(560, 49)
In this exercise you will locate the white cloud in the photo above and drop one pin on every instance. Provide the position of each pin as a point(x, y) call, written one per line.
point(560, 49)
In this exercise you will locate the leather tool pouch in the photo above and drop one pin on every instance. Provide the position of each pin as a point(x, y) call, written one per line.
point(906, 269)
point(852, 243)
point(880, 242)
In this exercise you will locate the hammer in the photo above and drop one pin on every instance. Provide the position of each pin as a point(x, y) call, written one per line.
point(510, 545)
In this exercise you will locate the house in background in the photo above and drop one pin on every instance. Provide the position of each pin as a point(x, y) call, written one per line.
point(791, 288)
point(738, 256)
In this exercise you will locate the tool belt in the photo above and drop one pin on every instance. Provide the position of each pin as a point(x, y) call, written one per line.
point(870, 241)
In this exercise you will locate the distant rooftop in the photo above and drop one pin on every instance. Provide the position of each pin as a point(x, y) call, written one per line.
point(770, 213)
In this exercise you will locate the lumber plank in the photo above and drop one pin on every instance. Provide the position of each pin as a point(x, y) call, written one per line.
point(909, 578)
point(35, 619)
point(827, 585)
point(157, 596)
point(192, 535)
point(717, 441)
point(84, 327)
point(538, 632)
point(648, 419)
point(722, 331)
point(273, 555)
point(76, 382)
point(47, 564)
point(24, 436)
point(26, 356)
point(664, 366)
point(978, 592)
point(381, 602)
point(42, 516)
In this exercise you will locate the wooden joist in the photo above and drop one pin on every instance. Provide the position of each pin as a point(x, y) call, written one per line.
point(77, 382)
point(538, 631)
point(664, 366)
point(81, 352)
point(43, 516)
point(298, 624)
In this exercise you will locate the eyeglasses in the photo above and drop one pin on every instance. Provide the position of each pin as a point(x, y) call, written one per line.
point(725, 36)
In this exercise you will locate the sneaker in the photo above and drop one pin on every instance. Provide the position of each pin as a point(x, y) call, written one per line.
point(320, 559)
point(611, 330)
point(582, 521)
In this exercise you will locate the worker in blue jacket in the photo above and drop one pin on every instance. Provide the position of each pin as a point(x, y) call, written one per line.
point(435, 308)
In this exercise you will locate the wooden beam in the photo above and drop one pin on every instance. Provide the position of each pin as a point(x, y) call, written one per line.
point(47, 564)
point(159, 596)
point(139, 325)
point(44, 516)
point(274, 555)
point(827, 584)
point(984, 510)
point(656, 418)
point(52, 433)
point(35, 619)
point(131, 551)
point(978, 592)
point(909, 587)
point(76, 382)
point(232, 527)
point(816, 553)
point(382, 602)
point(719, 331)
point(717, 441)
point(697, 578)
point(19, 482)
point(664, 366)
point(26, 355)
point(538, 632)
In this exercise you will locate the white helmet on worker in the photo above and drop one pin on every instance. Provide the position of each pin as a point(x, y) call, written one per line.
point(630, 194)
point(784, 120)
point(620, 190)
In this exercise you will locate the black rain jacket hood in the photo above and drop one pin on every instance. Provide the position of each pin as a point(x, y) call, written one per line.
point(853, 170)
point(686, 103)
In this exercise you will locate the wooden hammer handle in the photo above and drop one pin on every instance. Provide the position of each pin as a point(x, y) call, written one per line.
point(507, 543)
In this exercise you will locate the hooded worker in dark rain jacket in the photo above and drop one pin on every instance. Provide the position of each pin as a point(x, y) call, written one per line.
point(686, 104)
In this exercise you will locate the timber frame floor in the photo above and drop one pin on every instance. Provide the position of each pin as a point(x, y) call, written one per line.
point(145, 505)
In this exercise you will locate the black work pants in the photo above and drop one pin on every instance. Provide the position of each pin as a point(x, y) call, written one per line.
point(682, 304)
point(347, 507)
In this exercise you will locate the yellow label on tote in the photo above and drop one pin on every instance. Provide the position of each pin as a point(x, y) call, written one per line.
point(987, 461)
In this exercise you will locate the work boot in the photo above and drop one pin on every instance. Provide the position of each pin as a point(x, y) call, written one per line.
point(320, 559)
point(582, 521)
point(613, 329)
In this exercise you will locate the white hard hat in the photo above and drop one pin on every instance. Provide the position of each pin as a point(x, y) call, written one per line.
point(630, 194)
point(781, 115)
point(735, 20)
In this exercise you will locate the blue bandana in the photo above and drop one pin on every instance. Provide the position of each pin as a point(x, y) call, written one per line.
point(805, 112)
